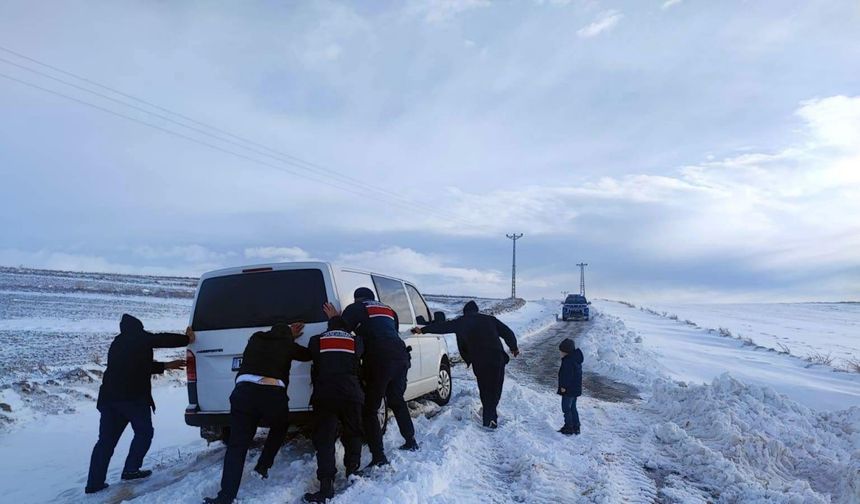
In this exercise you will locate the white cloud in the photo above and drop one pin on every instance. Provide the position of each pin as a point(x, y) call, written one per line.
point(278, 254)
point(670, 3)
point(604, 22)
point(436, 271)
point(437, 11)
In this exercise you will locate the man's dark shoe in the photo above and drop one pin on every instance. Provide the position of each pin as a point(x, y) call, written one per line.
point(133, 475)
point(325, 493)
point(576, 430)
point(99, 488)
point(376, 462)
point(410, 445)
point(563, 428)
point(493, 424)
point(216, 500)
point(261, 471)
point(352, 469)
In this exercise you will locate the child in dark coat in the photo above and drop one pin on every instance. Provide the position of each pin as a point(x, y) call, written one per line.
point(570, 385)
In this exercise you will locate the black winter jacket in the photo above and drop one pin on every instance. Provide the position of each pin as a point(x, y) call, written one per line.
point(335, 373)
point(477, 337)
point(378, 325)
point(271, 353)
point(570, 374)
point(130, 365)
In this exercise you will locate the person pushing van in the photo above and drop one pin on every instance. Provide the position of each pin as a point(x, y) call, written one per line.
point(126, 397)
point(337, 396)
point(260, 394)
point(478, 339)
point(386, 364)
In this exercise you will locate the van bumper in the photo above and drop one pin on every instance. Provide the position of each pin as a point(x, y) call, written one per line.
point(196, 418)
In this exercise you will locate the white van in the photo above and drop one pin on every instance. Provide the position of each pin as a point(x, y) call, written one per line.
point(231, 304)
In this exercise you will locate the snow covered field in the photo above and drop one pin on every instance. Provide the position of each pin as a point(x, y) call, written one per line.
point(816, 330)
point(703, 418)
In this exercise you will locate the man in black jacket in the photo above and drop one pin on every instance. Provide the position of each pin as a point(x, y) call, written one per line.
point(260, 394)
point(126, 397)
point(337, 397)
point(386, 364)
point(478, 339)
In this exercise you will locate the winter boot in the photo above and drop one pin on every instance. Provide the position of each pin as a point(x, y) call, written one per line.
point(410, 445)
point(376, 462)
point(493, 424)
point(99, 488)
point(133, 475)
point(262, 472)
point(215, 500)
point(325, 493)
point(576, 430)
point(352, 469)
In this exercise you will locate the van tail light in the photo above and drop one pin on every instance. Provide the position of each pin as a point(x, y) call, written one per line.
point(190, 366)
point(256, 270)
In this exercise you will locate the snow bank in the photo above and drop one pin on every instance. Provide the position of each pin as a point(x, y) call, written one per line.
point(746, 443)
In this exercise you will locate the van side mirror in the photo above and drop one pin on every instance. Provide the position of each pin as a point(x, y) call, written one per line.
point(439, 317)
point(420, 320)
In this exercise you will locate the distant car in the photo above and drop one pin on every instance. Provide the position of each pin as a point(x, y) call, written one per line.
point(231, 304)
point(575, 308)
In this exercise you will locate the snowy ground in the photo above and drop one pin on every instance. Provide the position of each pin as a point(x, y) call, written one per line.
point(662, 421)
point(809, 330)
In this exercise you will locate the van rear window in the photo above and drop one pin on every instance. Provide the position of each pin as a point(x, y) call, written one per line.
point(260, 299)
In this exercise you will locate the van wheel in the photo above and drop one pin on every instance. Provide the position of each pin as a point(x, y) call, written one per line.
point(443, 393)
point(382, 415)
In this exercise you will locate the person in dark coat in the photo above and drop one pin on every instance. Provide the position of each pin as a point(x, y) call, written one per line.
point(337, 396)
point(570, 385)
point(260, 395)
point(478, 338)
point(386, 364)
point(125, 396)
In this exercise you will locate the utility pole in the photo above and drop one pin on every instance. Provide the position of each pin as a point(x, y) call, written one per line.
point(514, 237)
point(582, 278)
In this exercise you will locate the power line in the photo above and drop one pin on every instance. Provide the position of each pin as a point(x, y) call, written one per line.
point(279, 156)
point(174, 133)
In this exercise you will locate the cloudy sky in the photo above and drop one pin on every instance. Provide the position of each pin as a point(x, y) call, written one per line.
point(686, 149)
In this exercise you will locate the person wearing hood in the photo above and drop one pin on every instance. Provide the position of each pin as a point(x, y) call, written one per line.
point(478, 338)
point(386, 364)
point(125, 396)
point(570, 385)
point(260, 395)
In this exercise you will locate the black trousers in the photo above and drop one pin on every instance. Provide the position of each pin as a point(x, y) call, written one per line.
point(250, 404)
point(115, 417)
point(387, 380)
point(491, 378)
point(327, 414)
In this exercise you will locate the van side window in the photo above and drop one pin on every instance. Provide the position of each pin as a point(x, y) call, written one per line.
point(391, 292)
point(421, 309)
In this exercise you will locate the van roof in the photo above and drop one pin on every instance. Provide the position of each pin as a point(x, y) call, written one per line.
point(276, 266)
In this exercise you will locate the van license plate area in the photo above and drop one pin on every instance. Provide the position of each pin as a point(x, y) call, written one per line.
point(237, 362)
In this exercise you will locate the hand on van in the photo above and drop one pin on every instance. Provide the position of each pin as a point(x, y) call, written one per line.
point(297, 328)
point(175, 364)
point(330, 311)
point(190, 333)
point(516, 353)
point(417, 330)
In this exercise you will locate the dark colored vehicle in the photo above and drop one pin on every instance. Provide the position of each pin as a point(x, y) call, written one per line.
point(575, 308)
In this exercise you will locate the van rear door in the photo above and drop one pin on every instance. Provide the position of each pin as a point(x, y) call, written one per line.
point(231, 306)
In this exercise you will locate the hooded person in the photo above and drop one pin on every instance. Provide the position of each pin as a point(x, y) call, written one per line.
point(570, 384)
point(386, 364)
point(479, 340)
point(260, 396)
point(125, 397)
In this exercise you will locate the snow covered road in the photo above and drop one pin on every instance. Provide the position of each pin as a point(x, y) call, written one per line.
point(646, 437)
